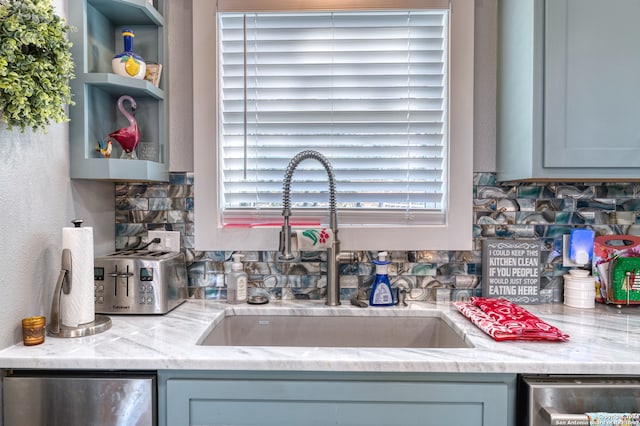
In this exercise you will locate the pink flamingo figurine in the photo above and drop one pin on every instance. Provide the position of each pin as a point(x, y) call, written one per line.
point(128, 137)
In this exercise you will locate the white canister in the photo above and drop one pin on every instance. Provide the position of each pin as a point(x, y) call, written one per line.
point(579, 289)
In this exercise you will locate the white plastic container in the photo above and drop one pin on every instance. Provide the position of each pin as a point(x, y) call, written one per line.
point(580, 284)
point(578, 273)
point(237, 281)
point(577, 302)
point(581, 293)
point(579, 289)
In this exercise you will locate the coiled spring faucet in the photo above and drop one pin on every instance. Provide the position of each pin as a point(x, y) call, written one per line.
point(333, 252)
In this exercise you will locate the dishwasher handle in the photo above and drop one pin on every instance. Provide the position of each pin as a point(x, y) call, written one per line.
point(555, 418)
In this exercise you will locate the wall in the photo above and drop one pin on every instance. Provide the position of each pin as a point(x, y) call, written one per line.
point(181, 106)
point(485, 68)
point(37, 199)
point(542, 212)
point(521, 211)
point(180, 91)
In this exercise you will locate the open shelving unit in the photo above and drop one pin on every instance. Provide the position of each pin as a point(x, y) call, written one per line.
point(96, 88)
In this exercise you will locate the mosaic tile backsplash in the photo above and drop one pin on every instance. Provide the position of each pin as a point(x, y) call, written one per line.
point(543, 211)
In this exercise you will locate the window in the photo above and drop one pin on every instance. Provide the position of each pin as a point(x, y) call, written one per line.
point(376, 91)
point(366, 89)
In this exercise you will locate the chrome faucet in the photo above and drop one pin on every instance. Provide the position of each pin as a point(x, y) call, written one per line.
point(333, 252)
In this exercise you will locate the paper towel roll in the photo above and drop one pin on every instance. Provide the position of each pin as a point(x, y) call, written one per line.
point(78, 307)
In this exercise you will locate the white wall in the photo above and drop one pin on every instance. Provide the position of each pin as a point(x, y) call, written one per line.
point(37, 199)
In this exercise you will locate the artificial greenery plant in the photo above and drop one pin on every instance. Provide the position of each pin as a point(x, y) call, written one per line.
point(35, 64)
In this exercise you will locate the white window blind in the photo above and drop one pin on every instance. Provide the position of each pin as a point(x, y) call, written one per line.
point(368, 89)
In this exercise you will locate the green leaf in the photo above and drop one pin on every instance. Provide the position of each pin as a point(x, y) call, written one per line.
point(35, 64)
point(312, 234)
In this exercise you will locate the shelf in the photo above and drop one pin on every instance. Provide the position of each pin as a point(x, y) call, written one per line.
point(130, 12)
point(118, 85)
point(119, 170)
point(97, 89)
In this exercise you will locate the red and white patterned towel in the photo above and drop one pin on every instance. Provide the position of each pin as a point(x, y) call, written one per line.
point(504, 320)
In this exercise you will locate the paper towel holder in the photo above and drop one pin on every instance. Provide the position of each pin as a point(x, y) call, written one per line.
point(56, 328)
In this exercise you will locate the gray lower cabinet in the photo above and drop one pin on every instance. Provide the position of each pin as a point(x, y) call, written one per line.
point(318, 398)
point(568, 90)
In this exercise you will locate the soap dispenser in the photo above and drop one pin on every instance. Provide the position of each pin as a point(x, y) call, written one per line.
point(381, 294)
point(237, 281)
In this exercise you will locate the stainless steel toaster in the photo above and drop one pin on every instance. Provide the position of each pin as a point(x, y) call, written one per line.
point(139, 282)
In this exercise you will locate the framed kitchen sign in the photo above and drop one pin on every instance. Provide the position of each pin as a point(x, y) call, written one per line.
point(511, 270)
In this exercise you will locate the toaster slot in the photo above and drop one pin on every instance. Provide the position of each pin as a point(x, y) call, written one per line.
point(125, 275)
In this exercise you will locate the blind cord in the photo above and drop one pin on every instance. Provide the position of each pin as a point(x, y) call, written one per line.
point(244, 83)
point(408, 176)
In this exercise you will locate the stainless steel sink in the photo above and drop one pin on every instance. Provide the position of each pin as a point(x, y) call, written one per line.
point(335, 331)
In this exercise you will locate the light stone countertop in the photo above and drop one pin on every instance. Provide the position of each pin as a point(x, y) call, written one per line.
point(605, 340)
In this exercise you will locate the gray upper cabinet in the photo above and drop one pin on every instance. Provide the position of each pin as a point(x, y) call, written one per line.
point(568, 90)
point(97, 89)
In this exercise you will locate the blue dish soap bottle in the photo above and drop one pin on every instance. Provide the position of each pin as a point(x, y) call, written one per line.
point(381, 294)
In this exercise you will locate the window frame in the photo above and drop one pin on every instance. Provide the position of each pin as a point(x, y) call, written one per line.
point(455, 234)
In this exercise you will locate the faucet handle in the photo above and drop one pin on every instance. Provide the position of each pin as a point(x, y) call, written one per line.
point(284, 251)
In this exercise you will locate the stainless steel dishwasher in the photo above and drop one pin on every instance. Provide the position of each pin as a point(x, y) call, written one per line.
point(74, 398)
point(548, 400)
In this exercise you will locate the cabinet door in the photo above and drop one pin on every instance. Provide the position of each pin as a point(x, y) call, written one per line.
point(592, 84)
point(322, 402)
